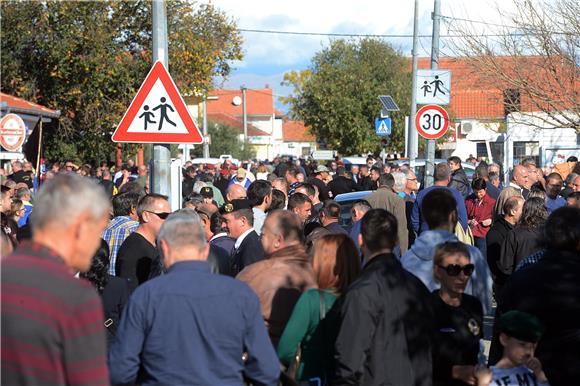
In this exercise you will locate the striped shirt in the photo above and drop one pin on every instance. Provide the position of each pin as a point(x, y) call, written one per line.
point(115, 233)
point(52, 323)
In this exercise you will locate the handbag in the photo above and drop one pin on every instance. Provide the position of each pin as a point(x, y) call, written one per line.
point(290, 373)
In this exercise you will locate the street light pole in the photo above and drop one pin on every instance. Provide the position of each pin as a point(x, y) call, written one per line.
point(412, 136)
point(245, 116)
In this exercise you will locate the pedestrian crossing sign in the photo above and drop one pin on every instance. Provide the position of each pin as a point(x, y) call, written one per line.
point(383, 126)
point(158, 113)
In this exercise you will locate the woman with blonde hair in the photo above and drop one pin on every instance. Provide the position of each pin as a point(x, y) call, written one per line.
point(336, 264)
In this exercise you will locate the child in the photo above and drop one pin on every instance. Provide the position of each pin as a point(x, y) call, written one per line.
point(519, 335)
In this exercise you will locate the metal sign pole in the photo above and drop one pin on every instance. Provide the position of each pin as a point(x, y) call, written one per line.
point(429, 167)
point(161, 162)
point(412, 136)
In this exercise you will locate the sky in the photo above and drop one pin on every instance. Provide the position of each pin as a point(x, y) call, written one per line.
point(268, 56)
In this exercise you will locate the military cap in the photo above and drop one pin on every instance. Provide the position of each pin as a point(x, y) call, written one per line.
point(206, 192)
point(235, 205)
point(521, 325)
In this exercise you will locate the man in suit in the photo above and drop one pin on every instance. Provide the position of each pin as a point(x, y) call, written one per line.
point(239, 220)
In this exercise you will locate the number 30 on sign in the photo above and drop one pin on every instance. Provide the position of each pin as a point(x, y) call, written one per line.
point(432, 121)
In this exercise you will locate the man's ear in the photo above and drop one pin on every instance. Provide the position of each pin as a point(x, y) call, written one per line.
point(146, 216)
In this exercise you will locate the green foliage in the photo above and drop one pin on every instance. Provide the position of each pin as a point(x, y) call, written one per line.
point(337, 96)
point(87, 59)
point(225, 140)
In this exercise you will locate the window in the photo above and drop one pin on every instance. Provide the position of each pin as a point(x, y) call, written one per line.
point(526, 149)
point(481, 150)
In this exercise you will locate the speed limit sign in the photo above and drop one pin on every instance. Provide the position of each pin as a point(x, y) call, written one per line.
point(432, 121)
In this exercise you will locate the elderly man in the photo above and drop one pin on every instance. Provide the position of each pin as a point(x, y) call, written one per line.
point(20, 175)
point(236, 192)
point(385, 198)
point(52, 323)
point(239, 220)
point(284, 275)
point(190, 326)
point(138, 252)
point(519, 180)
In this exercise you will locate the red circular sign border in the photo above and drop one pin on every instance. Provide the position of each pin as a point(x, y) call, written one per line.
point(22, 128)
point(431, 107)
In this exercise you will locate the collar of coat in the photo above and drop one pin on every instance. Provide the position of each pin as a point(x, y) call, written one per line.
point(295, 251)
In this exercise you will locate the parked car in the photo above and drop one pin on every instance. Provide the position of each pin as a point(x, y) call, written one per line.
point(346, 201)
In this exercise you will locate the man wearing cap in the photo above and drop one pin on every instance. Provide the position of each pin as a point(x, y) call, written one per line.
point(240, 179)
point(207, 194)
point(239, 220)
point(319, 179)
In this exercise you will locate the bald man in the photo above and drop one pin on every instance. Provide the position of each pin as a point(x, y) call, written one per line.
point(235, 192)
point(519, 179)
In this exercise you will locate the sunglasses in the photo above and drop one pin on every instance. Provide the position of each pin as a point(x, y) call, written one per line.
point(455, 269)
point(162, 215)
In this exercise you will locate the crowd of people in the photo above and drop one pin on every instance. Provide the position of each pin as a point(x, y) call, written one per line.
point(260, 278)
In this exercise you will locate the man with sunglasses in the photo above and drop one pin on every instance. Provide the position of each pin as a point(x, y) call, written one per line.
point(439, 209)
point(138, 251)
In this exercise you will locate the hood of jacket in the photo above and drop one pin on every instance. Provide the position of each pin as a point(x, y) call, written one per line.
point(425, 244)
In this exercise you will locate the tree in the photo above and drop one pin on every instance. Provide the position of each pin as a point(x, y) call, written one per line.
point(533, 61)
point(224, 140)
point(337, 97)
point(88, 59)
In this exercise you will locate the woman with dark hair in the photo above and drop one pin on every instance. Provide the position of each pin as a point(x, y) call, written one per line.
point(336, 264)
point(114, 290)
point(525, 238)
point(458, 317)
point(479, 207)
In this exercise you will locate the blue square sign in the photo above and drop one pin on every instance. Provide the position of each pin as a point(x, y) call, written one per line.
point(383, 126)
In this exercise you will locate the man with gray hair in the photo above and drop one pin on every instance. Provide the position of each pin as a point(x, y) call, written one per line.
point(214, 320)
point(46, 311)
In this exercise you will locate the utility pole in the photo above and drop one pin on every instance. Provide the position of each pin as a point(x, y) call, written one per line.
point(429, 166)
point(205, 144)
point(412, 136)
point(160, 176)
point(245, 116)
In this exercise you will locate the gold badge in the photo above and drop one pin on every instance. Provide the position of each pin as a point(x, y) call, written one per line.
point(228, 208)
point(473, 327)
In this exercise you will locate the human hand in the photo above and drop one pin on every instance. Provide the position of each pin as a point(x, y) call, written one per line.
point(535, 365)
point(483, 374)
point(464, 373)
point(486, 223)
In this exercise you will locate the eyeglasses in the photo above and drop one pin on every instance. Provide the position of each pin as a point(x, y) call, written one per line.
point(455, 269)
point(162, 215)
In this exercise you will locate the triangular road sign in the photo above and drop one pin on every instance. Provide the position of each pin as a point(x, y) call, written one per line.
point(158, 113)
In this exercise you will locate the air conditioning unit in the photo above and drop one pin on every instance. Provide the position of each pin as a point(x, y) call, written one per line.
point(467, 127)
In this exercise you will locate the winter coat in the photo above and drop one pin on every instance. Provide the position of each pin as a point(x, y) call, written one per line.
point(279, 282)
point(385, 198)
point(519, 244)
point(385, 330)
point(419, 261)
point(460, 182)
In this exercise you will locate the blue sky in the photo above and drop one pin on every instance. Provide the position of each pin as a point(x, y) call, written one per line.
point(269, 56)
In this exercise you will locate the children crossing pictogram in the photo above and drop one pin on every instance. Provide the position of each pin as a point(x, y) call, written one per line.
point(157, 114)
point(433, 87)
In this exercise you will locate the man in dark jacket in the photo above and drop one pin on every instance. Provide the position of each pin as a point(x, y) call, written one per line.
point(341, 184)
point(188, 181)
point(384, 333)
point(240, 221)
point(550, 289)
point(459, 179)
point(498, 232)
point(364, 180)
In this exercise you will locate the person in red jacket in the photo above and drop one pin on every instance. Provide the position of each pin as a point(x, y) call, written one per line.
point(479, 207)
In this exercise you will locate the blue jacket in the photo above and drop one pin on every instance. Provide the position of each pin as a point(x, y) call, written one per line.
point(191, 327)
point(419, 225)
point(419, 261)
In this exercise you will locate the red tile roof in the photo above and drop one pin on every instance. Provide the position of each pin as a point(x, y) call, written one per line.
point(295, 131)
point(259, 102)
point(13, 102)
point(479, 94)
point(236, 123)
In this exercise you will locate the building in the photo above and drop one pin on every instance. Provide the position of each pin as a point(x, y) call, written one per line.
point(268, 133)
point(492, 119)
